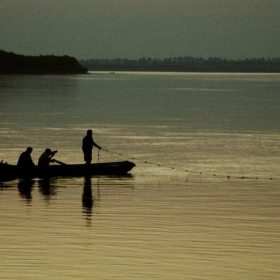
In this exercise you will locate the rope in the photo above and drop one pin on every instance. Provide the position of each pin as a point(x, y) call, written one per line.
point(190, 171)
point(118, 155)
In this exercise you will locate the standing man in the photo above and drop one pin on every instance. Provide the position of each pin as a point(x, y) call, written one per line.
point(88, 144)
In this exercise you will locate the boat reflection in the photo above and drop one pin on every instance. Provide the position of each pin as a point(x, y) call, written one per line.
point(25, 189)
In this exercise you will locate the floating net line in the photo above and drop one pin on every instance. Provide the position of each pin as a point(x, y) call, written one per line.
point(189, 171)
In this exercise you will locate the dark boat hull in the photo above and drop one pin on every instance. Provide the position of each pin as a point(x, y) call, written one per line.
point(11, 172)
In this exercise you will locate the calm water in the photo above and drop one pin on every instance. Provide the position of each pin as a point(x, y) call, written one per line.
point(183, 213)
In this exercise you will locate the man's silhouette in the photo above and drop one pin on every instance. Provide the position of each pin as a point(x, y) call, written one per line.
point(88, 144)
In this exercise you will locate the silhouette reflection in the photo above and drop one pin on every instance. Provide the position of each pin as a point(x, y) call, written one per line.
point(47, 188)
point(87, 198)
point(25, 189)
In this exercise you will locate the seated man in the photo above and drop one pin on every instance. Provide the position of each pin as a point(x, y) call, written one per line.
point(46, 158)
point(25, 159)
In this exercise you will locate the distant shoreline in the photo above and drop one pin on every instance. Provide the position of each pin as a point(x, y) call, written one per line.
point(184, 70)
point(185, 64)
point(15, 64)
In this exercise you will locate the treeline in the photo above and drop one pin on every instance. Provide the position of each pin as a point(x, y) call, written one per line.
point(11, 63)
point(184, 64)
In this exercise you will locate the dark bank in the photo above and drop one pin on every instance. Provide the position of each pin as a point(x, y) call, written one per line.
point(15, 64)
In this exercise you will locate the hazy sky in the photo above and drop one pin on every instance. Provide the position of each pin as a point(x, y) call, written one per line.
point(138, 28)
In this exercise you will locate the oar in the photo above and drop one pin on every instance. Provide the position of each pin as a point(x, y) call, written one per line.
point(57, 161)
point(60, 162)
point(53, 153)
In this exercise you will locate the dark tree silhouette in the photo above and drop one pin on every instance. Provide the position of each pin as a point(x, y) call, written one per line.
point(184, 64)
point(11, 63)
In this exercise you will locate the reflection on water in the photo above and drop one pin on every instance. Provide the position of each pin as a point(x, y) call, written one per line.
point(25, 188)
point(87, 198)
point(149, 228)
point(47, 188)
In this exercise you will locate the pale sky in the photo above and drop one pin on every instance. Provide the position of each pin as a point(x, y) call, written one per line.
point(141, 28)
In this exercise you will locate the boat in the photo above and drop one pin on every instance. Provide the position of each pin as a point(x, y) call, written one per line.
point(10, 172)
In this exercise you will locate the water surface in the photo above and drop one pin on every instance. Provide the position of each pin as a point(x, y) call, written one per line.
point(202, 202)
